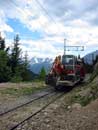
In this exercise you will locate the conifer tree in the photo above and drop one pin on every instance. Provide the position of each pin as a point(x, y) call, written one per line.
point(2, 43)
point(5, 70)
point(42, 73)
point(79, 57)
point(15, 55)
point(26, 63)
point(25, 69)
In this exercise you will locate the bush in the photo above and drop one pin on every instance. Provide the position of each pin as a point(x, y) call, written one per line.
point(94, 91)
point(16, 79)
point(83, 100)
point(42, 74)
point(94, 74)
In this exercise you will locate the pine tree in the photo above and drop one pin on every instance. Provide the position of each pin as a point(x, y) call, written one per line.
point(26, 76)
point(15, 55)
point(5, 70)
point(26, 62)
point(42, 73)
point(79, 57)
point(2, 43)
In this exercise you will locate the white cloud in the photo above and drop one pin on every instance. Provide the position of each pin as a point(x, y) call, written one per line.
point(3, 25)
point(38, 47)
point(73, 21)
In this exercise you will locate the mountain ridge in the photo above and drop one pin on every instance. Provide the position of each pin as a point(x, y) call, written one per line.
point(36, 63)
point(88, 58)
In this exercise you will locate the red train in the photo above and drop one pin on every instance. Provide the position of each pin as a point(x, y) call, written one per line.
point(66, 71)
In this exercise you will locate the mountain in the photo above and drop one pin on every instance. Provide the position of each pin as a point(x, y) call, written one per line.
point(37, 63)
point(90, 57)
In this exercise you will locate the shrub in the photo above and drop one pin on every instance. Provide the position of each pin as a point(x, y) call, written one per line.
point(16, 79)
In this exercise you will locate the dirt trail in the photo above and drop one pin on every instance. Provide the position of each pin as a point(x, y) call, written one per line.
point(63, 116)
point(57, 118)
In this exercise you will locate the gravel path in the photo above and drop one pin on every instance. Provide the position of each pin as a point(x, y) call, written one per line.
point(63, 116)
point(9, 102)
point(11, 119)
point(57, 117)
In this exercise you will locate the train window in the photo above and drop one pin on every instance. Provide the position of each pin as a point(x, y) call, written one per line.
point(68, 60)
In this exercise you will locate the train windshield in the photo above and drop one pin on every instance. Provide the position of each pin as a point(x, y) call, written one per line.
point(68, 60)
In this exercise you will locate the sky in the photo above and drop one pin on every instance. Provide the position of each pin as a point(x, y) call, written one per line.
point(44, 24)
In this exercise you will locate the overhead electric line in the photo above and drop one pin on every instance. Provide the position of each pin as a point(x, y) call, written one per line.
point(18, 9)
point(44, 9)
point(46, 12)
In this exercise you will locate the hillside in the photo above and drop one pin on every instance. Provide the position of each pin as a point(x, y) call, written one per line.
point(90, 57)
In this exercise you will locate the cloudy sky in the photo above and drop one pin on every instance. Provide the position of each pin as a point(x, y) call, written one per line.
point(44, 24)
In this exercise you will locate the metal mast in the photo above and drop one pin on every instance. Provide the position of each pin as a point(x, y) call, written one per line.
point(75, 48)
point(64, 46)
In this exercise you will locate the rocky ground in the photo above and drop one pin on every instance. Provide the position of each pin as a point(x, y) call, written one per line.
point(76, 110)
point(76, 118)
point(62, 116)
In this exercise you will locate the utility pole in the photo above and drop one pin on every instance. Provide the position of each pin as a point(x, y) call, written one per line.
point(75, 48)
point(0, 37)
point(72, 48)
point(0, 34)
point(64, 46)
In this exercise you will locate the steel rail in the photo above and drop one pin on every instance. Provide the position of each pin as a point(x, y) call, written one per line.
point(24, 104)
point(43, 108)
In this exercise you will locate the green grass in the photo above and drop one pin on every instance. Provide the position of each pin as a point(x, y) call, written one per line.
point(83, 95)
point(38, 80)
point(82, 99)
point(20, 91)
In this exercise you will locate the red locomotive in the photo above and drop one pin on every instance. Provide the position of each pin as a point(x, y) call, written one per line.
point(66, 70)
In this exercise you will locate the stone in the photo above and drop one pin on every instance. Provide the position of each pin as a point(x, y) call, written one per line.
point(76, 106)
point(69, 107)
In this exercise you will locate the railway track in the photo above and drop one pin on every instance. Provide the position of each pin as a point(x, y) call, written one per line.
point(14, 117)
point(24, 104)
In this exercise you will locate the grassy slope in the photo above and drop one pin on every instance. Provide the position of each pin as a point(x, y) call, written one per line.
point(21, 89)
point(86, 94)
